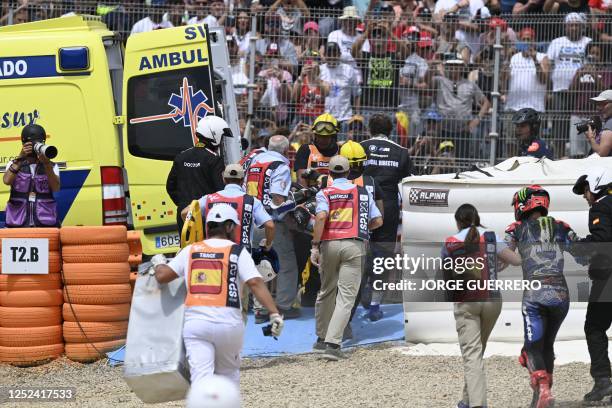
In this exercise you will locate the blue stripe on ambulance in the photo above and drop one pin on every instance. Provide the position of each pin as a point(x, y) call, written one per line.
point(71, 182)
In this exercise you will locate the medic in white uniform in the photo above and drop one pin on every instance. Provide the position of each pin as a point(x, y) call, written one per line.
point(214, 270)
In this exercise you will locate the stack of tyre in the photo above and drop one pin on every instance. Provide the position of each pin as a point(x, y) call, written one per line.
point(30, 307)
point(97, 291)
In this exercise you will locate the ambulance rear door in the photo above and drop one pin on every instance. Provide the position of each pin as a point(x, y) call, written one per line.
point(168, 85)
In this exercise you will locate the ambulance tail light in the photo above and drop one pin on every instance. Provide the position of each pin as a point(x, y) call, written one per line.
point(113, 196)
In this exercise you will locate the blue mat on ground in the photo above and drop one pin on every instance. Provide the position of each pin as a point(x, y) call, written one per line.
point(299, 334)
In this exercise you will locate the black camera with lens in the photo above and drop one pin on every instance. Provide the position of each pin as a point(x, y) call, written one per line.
point(594, 122)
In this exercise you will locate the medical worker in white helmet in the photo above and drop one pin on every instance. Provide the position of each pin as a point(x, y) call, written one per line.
point(214, 270)
point(197, 171)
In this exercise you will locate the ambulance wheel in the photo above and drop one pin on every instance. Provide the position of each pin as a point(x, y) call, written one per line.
point(115, 234)
point(98, 253)
point(96, 273)
point(96, 313)
point(87, 332)
point(55, 262)
point(31, 282)
point(31, 298)
point(30, 336)
point(30, 316)
point(98, 294)
point(52, 234)
point(86, 353)
point(30, 356)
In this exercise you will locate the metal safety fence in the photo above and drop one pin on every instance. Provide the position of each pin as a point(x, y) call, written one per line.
point(450, 79)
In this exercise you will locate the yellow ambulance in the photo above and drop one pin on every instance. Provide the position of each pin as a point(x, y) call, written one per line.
point(118, 116)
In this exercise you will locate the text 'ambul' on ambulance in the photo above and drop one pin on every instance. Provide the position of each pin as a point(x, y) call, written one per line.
point(118, 116)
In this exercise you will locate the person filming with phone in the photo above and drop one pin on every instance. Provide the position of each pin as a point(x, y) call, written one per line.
point(33, 179)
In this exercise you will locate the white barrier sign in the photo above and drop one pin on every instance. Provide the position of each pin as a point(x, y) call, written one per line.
point(25, 256)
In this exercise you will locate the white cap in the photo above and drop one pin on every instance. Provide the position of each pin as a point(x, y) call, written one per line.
point(339, 164)
point(604, 96)
point(575, 18)
point(233, 171)
point(214, 391)
point(596, 178)
point(484, 12)
point(222, 212)
point(213, 128)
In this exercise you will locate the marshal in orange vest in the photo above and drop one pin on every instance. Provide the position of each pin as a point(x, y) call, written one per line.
point(258, 179)
point(348, 213)
point(317, 161)
point(244, 207)
point(213, 276)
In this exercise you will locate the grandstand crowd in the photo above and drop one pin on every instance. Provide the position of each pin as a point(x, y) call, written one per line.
point(429, 64)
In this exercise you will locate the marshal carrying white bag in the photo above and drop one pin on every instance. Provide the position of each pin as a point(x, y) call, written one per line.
point(155, 364)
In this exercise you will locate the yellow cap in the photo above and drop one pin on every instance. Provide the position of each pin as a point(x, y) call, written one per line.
point(353, 151)
point(325, 125)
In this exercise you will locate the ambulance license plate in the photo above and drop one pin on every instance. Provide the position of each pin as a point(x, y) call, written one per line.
point(167, 241)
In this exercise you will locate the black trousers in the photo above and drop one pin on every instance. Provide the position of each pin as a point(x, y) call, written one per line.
point(598, 320)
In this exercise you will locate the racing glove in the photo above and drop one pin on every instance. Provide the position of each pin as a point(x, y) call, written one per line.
point(277, 323)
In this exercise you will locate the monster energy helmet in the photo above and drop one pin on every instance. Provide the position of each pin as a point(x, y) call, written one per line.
point(528, 199)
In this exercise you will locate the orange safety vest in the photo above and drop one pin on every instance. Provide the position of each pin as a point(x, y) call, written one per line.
point(361, 181)
point(213, 276)
point(258, 179)
point(317, 161)
point(244, 207)
point(348, 213)
point(484, 262)
point(246, 161)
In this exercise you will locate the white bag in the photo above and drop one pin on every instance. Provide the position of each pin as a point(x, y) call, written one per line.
point(156, 368)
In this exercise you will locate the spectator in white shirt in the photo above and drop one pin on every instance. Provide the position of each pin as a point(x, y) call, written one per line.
point(215, 17)
point(524, 81)
point(154, 21)
point(347, 35)
point(275, 43)
point(468, 7)
point(344, 86)
point(242, 31)
point(567, 56)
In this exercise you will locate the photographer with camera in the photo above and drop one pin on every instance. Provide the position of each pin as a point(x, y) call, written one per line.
point(601, 141)
point(33, 178)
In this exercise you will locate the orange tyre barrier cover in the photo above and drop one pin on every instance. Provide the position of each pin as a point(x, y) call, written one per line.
point(95, 253)
point(96, 313)
point(115, 234)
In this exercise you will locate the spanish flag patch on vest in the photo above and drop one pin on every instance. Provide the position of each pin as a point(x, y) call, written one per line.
point(206, 277)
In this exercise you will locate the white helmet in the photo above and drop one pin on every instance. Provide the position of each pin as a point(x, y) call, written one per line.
point(214, 391)
point(222, 212)
point(597, 179)
point(213, 128)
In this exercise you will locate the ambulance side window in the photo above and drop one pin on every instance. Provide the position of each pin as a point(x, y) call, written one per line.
point(163, 110)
